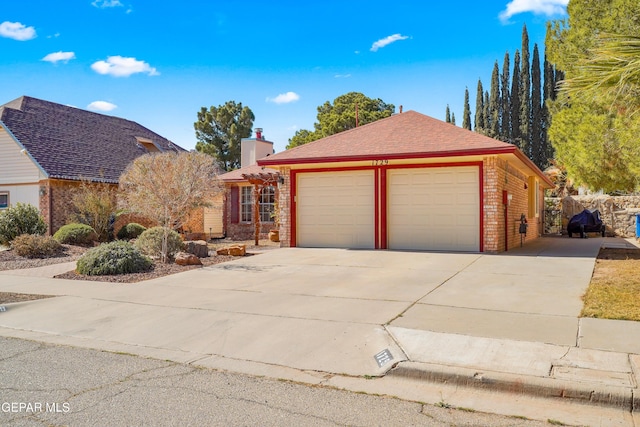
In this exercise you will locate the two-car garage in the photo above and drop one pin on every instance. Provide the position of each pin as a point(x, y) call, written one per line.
point(420, 208)
point(408, 182)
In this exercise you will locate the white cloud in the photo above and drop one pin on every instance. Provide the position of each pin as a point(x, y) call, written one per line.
point(59, 56)
point(539, 7)
point(285, 98)
point(107, 3)
point(101, 106)
point(119, 66)
point(342, 76)
point(387, 40)
point(17, 31)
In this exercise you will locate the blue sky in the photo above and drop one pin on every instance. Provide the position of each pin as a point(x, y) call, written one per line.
point(158, 62)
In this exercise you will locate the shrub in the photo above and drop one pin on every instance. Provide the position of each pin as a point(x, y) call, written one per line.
point(131, 231)
point(20, 219)
point(35, 246)
point(150, 242)
point(95, 205)
point(76, 234)
point(117, 257)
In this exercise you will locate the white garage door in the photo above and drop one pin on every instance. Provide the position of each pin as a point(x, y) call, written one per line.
point(434, 209)
point(335, 210)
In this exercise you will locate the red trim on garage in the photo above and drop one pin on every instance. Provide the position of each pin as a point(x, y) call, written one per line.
point(381, 196)
point(481, 202)
point(293, 181)
point(376, 206)
point(383, 208)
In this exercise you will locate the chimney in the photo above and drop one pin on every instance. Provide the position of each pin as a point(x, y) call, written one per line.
point(259, 133)
point(401, 109)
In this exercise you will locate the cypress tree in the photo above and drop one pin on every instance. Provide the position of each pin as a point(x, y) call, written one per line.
point(453, 119)
point(485, 114)
point(466, 115)
point(538, 149)
point(505, 110)
point(447, 115)
point(494, 103)
point(516, 136)
point(525, 95)
point(479, 117)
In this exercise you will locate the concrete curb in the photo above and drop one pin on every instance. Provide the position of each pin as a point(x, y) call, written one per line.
point(580, 392)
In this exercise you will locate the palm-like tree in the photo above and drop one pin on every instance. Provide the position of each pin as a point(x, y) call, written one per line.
point(611, 72)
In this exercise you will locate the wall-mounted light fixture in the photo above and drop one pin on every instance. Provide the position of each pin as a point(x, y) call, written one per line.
point(43, 191)
point(281, 180)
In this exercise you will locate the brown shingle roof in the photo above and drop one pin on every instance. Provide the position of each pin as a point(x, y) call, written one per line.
point(70, 143)
point(405, 135)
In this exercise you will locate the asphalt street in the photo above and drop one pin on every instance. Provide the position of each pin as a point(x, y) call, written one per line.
point(43, 384)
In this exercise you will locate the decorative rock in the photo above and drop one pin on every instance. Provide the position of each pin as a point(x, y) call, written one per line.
point(238, 250)
point(184, 258)
point(198, 248)
point(235, 250)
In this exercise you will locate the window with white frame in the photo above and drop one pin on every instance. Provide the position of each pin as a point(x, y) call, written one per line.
point(267, 204)
point(4, 200)
point(246, 204)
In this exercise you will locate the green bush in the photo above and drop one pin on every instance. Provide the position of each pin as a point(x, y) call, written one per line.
point(76, 234)
point(35, 246)
point(20, 219)
point(150, 242)
point(117, 257)
point(131, 231)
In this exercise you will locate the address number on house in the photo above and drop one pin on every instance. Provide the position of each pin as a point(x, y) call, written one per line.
point(381, 162)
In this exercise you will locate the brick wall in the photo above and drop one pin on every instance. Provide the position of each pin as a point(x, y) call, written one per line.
point(284, 204)
point(241, 230)
point(56, 202)
point(499, 176)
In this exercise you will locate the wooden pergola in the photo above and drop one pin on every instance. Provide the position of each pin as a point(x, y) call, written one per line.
point(260, 181)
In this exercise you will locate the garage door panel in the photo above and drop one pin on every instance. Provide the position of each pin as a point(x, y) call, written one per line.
point(335, 209)
point(434, 209)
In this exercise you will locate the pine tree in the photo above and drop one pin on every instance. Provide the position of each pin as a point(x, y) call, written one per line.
point(538, 151)
point(453, 119)
point(466, 115)
point(447, 115)
point(505, 110)
point(516, 136)
point(494, 103)
point(479, 118)
point(525, 95)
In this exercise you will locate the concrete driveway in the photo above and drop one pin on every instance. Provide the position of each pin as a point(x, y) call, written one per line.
point(351, 312)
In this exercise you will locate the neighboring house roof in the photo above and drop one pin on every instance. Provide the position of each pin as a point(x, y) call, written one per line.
point(236, 175)
point(70, 143)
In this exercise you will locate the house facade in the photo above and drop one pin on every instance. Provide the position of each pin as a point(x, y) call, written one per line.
point(48, 149)
point(408, 182)
point(240, 194)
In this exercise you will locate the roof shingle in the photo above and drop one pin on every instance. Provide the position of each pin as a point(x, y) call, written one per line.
point(409, 134)
point(70, 143)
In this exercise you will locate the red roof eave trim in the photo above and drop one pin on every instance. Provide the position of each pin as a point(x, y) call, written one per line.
point(432, 154)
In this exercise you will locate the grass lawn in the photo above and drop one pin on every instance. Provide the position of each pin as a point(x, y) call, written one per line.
point(614, 291)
